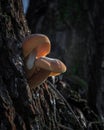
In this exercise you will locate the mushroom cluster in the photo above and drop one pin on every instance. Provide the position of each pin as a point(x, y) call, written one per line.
point(38, 66)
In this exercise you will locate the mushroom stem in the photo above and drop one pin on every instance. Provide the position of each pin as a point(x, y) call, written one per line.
point(30, 60)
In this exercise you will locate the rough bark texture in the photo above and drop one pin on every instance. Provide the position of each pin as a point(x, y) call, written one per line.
point(42, 108)
point(13, 85)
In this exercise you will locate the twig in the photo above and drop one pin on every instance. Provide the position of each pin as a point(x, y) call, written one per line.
point(64, 127)
point(95, 122)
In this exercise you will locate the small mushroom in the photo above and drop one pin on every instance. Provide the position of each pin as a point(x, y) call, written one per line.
point(38, 67)
point(35, 46)
point(47, 67)
point(38, 42)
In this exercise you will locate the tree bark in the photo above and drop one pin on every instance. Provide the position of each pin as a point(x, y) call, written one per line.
point(96, 57)
point(22, 108)
point(13, 85)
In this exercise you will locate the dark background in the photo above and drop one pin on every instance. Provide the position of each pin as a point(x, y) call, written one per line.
point(76, 31)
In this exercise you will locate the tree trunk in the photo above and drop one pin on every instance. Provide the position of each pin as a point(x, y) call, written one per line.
point(96, 57)
point(22, 108)
point(14, 92)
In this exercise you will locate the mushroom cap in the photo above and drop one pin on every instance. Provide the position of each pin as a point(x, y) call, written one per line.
point(39, 43)
point(55, 66)
point(43, 68)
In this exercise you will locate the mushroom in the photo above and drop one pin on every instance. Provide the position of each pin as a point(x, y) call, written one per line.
point(39, 43)
point(47, 67)
point(38, 67)
point(35, 46)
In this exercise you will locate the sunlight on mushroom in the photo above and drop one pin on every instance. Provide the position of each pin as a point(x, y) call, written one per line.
point(38, 67)
point(47, 67)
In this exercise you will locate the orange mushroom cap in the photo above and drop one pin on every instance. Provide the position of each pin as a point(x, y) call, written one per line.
point(35, 46)
point(47, 67)
point(39, 43)
point(55, 66)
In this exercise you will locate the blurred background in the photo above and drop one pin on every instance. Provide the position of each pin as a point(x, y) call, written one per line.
point(76, 31)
